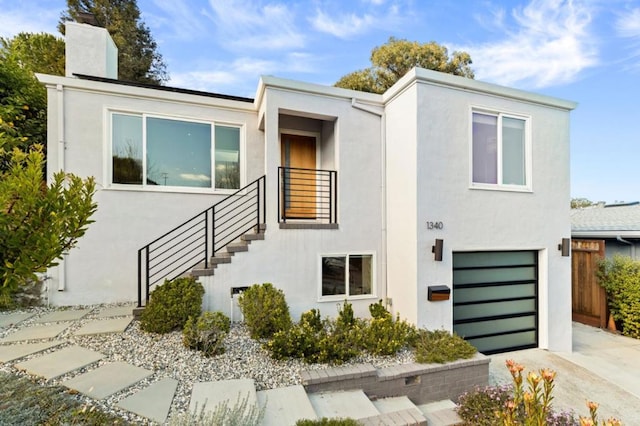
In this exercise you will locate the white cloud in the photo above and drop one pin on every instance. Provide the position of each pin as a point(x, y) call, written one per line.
point(375, 15)
point(16, 18)
point(252, 25)
point(194, 177)
point(342, 26)
point(179, 19)
point(550, 45)
point(628, 25)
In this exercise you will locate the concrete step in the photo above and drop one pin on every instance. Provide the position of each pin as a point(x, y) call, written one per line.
point(152, 402)
point(285, 406)
point(236, 247)
point(8, 320)
point(353, 404)
point(60, 362)
point(208, 395)
point(37, 332)
point(57, 316)
point(107, 379)
point(10, 353)
point(252, 237)
point(408, 417)
point(398, 410)
point(441, 413)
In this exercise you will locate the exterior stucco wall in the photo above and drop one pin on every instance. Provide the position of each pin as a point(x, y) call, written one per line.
point(103, 267)
point(474, 219)
point(290, 258)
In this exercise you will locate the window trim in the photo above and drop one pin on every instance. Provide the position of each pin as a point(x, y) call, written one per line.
point(528, 150)
point(342, 297)
point(108, 166)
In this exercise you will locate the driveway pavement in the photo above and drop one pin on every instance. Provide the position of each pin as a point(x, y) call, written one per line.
point(603, 367)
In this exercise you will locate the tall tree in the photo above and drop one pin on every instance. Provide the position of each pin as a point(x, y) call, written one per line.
point(395, 58)
point(138, 58)
point(42, 52)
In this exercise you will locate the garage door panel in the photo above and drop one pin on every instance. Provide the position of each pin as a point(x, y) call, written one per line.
point(505, 342)
point(484, 293)
point(493, 309)
point(483, 328)
point(493, 258)
point(496, 275)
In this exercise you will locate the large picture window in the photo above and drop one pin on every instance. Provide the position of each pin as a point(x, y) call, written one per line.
point(500, 150)
point(153, 151)
point(347, 275)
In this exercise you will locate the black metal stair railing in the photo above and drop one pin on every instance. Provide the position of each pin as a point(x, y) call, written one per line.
point(194, 241)
point(307, 194)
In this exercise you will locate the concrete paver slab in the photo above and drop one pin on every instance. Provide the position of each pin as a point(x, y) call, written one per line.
point(116, 311)
point(354, 404)
point(285, 406)
point(36, 332)
point(396, 403)
point(107, 379)
point(102, 326)
point(60, 362)
point(152, 402)
point(10, 353)
point(7, 320)
point(210, 394)
point(69, 315)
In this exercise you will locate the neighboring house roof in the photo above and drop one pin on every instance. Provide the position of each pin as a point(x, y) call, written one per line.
point(608, 221)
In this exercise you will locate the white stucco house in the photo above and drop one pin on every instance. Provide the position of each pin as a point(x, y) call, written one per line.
point(445, 197)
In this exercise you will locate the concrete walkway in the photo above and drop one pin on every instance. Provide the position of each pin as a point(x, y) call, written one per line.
point(603, 367)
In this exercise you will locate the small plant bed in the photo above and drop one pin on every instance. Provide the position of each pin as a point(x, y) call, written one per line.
point(334, 341)
point(526, 402)
point(23, 402)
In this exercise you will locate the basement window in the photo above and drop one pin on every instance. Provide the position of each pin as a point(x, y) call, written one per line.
point(347, 275)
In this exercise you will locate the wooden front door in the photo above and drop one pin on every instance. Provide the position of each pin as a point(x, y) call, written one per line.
point(588, 298)
point(298, 155)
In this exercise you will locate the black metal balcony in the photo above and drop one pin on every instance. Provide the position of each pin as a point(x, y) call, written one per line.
point(307, 195)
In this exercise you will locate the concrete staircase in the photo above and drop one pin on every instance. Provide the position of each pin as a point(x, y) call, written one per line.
point(225, 255)
point(284, 406)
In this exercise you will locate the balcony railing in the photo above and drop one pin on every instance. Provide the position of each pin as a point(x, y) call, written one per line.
point(307, 194)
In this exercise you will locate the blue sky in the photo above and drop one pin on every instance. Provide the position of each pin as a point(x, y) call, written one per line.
point(586, 51)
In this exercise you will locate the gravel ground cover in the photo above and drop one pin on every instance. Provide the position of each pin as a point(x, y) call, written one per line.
point(167, 357)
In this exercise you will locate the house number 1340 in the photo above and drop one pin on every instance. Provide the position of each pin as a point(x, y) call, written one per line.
point(435, 225)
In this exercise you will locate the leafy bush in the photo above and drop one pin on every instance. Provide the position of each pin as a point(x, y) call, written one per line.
point(328, 422)
point(439, 346)
point(265, 310)
point(301, 341)
point(206, 333)
point(171, 305)
point(620, 278)
point(383, 335)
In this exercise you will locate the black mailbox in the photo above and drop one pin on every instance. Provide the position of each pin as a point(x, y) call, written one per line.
point(438, 292)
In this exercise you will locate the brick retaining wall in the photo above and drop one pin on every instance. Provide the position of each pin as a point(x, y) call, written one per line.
point(422, 383)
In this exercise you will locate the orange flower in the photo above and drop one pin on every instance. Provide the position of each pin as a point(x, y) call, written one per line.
point(548, 375)
point(592, 405)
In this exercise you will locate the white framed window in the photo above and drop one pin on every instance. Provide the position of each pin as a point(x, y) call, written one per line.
point(152, 152)
point(500, 151)
point(347, 275)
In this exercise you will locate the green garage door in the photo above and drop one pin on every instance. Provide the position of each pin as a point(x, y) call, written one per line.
point(495, 299)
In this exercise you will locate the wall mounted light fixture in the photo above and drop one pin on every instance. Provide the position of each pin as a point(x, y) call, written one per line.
point(565, 247)
point(437, 250)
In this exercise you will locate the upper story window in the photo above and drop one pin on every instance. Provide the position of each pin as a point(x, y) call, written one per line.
point(500, 151)
point(153, 151)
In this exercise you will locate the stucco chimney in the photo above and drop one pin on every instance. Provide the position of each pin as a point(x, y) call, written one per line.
point(90, 50)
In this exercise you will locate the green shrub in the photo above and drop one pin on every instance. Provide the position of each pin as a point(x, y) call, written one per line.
point(171, 305)
point(301, 341)
point(620, 278)
point(313, 319)
point(328, 422)
point(206, 333)
point(346, 317)
point(439, 346)
point(383, 335)
point(377, 310)
point(265, 310)
point(339, 343)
